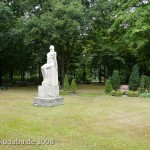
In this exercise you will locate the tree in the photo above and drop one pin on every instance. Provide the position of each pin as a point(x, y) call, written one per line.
point(131, 29)
point(7, 19)
point(115, 79)
point(85, 33)
point(142, 84)
point(99, 43)
point(134, 79)
point(66, 84)
point(61, 23)
point(108, 86)
point(145, 84)
point(73, 86)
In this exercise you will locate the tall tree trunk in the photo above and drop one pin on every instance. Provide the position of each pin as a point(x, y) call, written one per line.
point(39, 72)
point(74, 73)
point(100, 73)
point(22, 75)
point(0, 74)
point(70, 48)
point(11, 75)
point(84, 74)
point(108, 70)
point(62, 67)
point(104, 73)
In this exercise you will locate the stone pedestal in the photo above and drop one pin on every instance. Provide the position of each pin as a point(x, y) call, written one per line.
point(47, 102)
point(48, 96)
point(48, 91)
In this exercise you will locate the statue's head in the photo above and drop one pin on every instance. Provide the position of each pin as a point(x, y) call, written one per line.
point(51, 48)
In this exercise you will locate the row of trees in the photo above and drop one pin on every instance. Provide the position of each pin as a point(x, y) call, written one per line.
point(95, 36)
point(136, 84)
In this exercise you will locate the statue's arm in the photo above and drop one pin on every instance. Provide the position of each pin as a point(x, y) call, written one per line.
point(54, 62)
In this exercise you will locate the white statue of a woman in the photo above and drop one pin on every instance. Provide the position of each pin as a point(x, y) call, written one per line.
point(50, 69)
point(48, 92)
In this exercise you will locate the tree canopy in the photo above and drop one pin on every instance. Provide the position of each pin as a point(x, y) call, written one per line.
point(92, 38)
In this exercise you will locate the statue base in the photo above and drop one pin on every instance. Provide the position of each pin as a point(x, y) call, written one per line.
point(48, 95)
point(48, 91)
point(48, 102)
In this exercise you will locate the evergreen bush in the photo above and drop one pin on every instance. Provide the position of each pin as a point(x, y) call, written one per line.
point(145, 95)
point(142, 84)
point(133, 93)
point(108, 86)
point(115, 80)
point(134, 79)
point(66, 84)
point(118, 93)
point(147, 83)
point(73, 86)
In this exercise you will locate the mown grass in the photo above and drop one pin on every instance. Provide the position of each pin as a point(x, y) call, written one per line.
point(89, 120)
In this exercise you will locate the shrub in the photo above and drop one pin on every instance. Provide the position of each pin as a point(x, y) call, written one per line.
point(134, 79)
point(115, 80)
point(108, 86)
point(66, 84)
point(146, 94)
point(133, 93)
point(113, 93)
point(117, 93)
point(147, 83)
point(142, 84)
point(73, 86)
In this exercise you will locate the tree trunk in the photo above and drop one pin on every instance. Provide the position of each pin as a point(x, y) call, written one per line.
point(62, 67)
point(22, 76)
point(104, 73)
point(74, 73)
point(11, 75)
point(100, 73)
point(39, 72)
point(0, 74)
point(84, 74)
point(70, 48)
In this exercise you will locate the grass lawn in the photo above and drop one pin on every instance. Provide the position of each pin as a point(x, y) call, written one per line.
point(89, 120)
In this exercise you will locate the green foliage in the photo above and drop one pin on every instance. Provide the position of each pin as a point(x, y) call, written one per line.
point(6, 17)
point(145, 84)
point(73, 86)
point(115, 79)
point(85, 33)
point(142, 83)
point(133, 93)
point(117, 93)
point(131, 26)
point(108, 86)
point(145, 95)
point(134, 79)
point(66, 84)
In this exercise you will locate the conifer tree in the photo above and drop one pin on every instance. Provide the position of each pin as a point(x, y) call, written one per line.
point(108, 86)
point(115, 79)
point(134, 79)
point(66, 84)
point(73, 86)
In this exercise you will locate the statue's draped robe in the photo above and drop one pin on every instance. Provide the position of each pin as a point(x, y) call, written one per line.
point(53, 70)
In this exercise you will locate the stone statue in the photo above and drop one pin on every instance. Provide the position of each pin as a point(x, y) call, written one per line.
point(48, 92)
point(50, 69)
